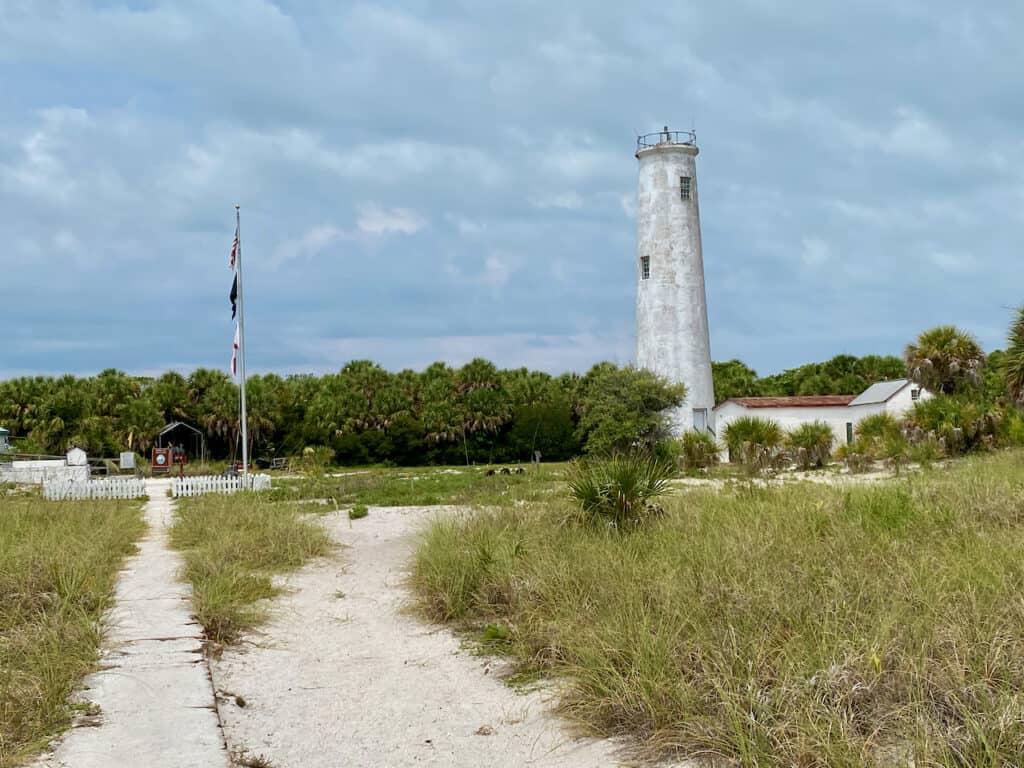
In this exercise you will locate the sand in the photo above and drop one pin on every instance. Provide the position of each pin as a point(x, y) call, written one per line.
point(342, 676)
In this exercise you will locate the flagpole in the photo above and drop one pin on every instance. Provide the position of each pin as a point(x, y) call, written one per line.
point(241, 342)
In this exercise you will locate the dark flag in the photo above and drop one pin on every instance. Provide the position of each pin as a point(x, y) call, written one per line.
point(234, 296)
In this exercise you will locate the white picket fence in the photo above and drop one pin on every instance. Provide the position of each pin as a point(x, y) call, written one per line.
point(108, 488)
point(197, 486)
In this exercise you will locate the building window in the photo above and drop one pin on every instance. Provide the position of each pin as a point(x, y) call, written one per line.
point(915, 394)
point(684, 187)
point(849, 432)
point(645, 267)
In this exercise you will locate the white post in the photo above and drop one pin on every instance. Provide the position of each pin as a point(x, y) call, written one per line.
point(241, 341)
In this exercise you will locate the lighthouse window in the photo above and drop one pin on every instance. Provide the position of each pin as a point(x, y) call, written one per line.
point(645, 267)
point(684, 187)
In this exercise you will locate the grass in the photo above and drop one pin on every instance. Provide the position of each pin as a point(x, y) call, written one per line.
point(58, 565)
point(803, 625)
point(358, 512)
point(426, 486)
point(233, 546)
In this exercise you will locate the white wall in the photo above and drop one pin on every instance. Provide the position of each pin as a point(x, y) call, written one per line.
point(836, 416)
point(35, 472)
point(901, 402)
point(671, 306)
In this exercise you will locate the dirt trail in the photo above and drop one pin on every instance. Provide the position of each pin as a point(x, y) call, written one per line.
point(341, 677)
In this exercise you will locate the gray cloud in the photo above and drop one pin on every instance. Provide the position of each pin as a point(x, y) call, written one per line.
point(422, 185)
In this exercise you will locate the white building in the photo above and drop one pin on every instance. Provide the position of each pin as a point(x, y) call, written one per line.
point(841, 412)
point(671, 307)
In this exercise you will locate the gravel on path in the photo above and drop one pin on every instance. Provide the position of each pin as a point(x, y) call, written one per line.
point(343, 676)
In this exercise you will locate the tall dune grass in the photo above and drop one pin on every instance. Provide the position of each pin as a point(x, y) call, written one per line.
point(58, 565)
point(798, 626)
point(233, 546)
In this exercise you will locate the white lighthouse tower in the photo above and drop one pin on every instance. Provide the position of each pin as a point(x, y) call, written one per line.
point(671, 306)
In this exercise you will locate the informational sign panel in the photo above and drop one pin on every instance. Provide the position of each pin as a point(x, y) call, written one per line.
point(127, 460)
point(161, 463)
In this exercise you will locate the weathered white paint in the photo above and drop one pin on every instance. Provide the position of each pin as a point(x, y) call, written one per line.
point(76, 457)
point(789, 418)
point(837, 417)
point(900, 403)
point(197, 486)
point(671, 305)
point(39, 471)
point(108, 488)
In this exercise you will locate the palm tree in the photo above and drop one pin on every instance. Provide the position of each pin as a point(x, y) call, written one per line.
point(1013, 359)
point(945, 359)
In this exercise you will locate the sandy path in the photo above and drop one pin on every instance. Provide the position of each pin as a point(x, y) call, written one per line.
point(153, 689)
point(340, 677)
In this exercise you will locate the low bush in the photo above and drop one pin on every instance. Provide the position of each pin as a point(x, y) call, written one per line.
point(959, 424)
point(316, 458)
point(855, 456)
point(752, 431)
point(358, 511)
point(697, 450)
point(811, 444)
point(618, 491)
point(878, 426)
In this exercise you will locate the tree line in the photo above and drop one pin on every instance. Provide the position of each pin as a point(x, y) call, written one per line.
point(474, 413)
point(362, 414)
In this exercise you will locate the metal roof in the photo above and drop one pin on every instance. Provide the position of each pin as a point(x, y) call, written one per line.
point(175, 424)
point(798, 401)
point(880, 392)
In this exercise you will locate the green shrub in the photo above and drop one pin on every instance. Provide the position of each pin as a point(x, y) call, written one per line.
point(959, 424)
point(751, 437)
point(855, 456)
point(358, 511)
point(924, 452)
point(878, 426)
point(1015, 428)
point(316, 458)
point(697, 450)
point(618, 491)
point(811, 444)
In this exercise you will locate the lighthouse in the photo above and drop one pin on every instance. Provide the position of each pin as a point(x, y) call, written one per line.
point(671, 305)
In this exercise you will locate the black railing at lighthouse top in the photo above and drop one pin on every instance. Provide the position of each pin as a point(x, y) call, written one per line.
point(666, 137)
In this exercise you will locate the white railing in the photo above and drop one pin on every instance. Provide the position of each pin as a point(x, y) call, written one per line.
point(197, 486)
point(110, 488)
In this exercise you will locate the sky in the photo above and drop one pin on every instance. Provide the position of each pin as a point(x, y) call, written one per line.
point(426, 181)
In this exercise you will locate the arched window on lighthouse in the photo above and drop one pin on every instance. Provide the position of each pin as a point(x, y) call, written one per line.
point(684, 187)
point(645, 267)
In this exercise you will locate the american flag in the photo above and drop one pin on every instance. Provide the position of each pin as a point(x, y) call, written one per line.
point(234, 249)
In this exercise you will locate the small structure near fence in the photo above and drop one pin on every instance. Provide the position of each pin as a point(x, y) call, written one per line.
point(197, 486)
point(74, 467)
point(110, 488)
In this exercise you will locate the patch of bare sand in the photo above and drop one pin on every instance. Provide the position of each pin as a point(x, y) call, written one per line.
point(341, 676)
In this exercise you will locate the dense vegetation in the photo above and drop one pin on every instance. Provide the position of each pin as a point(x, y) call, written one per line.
point(478, 413)
point(804, 625)
point(363, 414)
point(58, 562)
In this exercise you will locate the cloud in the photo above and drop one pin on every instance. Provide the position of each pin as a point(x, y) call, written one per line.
point(567, 201)
point(374, 220)
point(476, 170)
point(308, 245)
point(815, 252)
